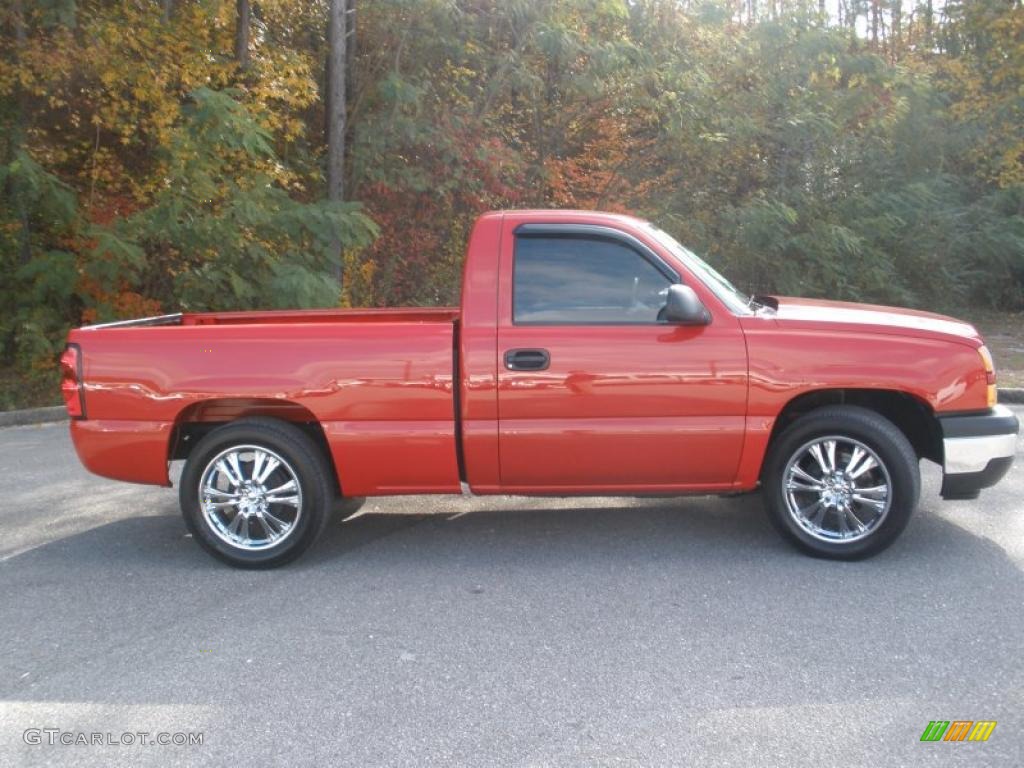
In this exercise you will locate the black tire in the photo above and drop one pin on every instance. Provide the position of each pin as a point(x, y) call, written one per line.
point(346, 506)
point(896, 467)
point(302, 463)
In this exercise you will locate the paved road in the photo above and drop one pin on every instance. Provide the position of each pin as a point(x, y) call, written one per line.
point(608, 632)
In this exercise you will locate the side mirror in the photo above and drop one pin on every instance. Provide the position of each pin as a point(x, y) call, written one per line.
point(684, 308)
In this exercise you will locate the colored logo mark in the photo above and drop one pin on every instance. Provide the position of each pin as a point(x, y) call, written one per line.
point(958, 730)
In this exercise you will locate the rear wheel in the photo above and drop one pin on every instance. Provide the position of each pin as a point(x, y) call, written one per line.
point(256, 492)
point(841, 482)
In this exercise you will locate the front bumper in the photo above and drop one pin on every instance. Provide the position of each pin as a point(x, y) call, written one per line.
point(978, 450)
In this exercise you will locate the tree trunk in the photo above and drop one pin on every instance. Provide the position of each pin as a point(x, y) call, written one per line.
point(351, 84)
point(928, 13)
point(17, 140)
point(242, 24)
point(18, 20)
point(350, 46)
point(336, 44)
point(897, 29)
point(167, 7)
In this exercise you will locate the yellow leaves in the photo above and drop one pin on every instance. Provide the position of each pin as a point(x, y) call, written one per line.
point(358, 280)
point(986, 84)
point(144, 67)
point(827, 75)
point(41, 65)
point(108, 77)
point(285, 77)
point(281, 82)
point(1011, 166)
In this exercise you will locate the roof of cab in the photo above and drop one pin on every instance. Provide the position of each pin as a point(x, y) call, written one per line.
point(562, 214)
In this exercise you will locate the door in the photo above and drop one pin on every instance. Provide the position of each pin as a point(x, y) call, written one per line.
point(595, 392)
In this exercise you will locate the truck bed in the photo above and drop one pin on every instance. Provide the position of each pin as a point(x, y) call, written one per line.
point(377, 382)
point(403, 314)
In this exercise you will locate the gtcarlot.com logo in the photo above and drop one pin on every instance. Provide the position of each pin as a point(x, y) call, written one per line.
point(57, 736)
point(958, 730)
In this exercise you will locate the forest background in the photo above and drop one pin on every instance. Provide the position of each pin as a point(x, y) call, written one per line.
point(165, 155)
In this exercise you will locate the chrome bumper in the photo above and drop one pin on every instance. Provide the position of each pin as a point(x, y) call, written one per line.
point(972, 454)
point(978, 450)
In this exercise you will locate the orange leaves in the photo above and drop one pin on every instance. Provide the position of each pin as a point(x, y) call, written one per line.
point(144, 66)
point(108, 208)
point(122, 305)
point(604, 169)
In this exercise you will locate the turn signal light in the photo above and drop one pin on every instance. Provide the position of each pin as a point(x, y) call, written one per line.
point(990, 375)
point(71, 381)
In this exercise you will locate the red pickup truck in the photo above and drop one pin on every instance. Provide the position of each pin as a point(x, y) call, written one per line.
point(592, 354)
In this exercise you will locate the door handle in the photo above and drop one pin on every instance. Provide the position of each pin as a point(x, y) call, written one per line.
point(527, 359)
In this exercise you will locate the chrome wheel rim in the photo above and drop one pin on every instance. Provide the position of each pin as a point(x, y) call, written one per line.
point(837, 489)
point(250, 497)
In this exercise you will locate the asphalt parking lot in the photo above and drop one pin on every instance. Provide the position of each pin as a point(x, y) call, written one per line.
point(504, 632)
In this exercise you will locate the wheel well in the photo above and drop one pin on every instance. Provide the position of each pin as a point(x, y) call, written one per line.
point(198, 419)
point(913, 417)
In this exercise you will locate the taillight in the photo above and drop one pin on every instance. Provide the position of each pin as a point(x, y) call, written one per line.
point(71, 381)
point(990, 375)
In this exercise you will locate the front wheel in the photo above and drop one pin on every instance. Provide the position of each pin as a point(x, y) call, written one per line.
point(255, 493)
point(841, 482)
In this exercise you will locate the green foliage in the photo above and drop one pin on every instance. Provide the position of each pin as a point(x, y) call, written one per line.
point(38, 289)
point(877, 157)
point(821, 169)
point(42, 193)
point(228, 235)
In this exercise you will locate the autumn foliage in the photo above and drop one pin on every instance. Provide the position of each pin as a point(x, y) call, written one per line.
point(873, 153)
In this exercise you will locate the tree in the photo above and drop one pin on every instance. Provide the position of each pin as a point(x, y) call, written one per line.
point(336, 104)
point(229, 236)
point(151, 160)
point(242, 25)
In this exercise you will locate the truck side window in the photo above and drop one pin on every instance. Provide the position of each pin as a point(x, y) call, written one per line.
point(584, 280)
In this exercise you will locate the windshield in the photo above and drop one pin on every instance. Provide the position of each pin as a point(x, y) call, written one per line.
point(722, 288)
